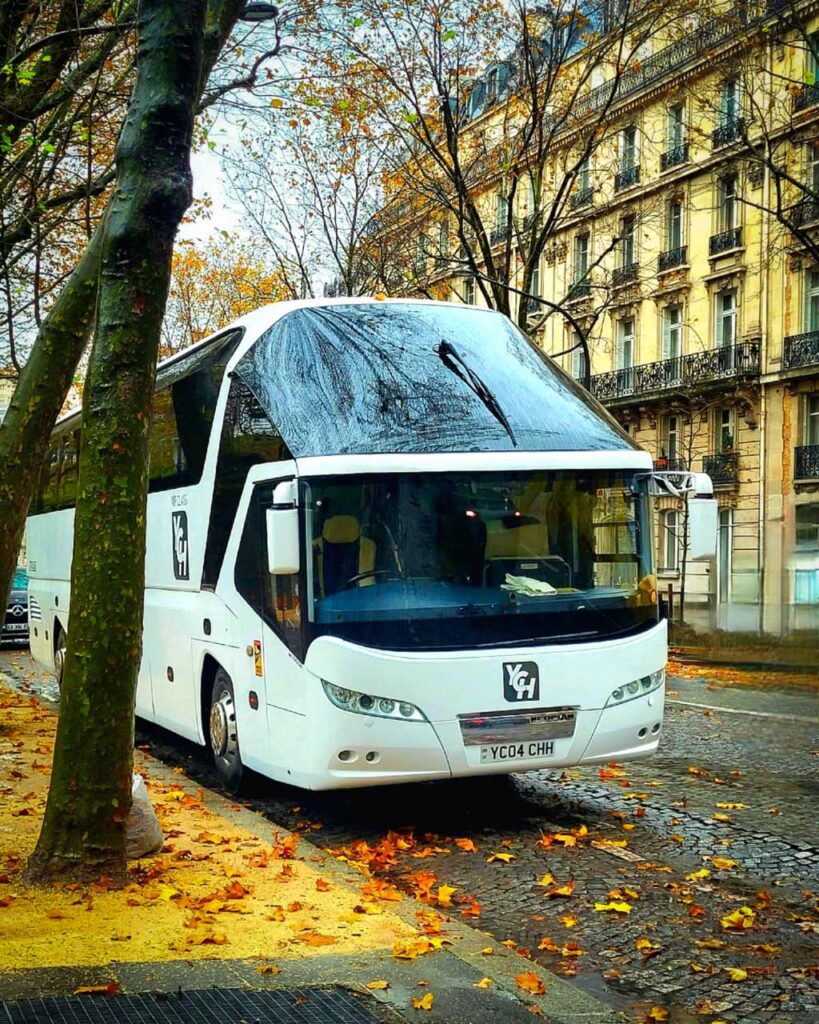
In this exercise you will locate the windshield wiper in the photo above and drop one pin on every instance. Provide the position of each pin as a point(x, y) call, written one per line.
point(452, 361)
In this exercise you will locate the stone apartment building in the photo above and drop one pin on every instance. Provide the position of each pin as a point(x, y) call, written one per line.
point(701, 304)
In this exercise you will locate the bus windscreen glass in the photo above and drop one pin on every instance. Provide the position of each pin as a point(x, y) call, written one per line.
point(458, 560)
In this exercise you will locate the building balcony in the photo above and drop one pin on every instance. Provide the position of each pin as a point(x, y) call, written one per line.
point(498, 234)
point(722, 467)
point(805, 212)
point(674, 157)
point(699, 370)
point(672, 258)
point(532, 304)
point(673, 465)
point(625, 275)
point(808, 96)
point(728, 132)
point(581, 290)
point(582, 197)
point(801, 350)
point(626, 177)
point(724, 241)
point(806, 462)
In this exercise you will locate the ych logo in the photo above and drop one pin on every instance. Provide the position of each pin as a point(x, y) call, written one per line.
point(181, 567)
point(520, 681)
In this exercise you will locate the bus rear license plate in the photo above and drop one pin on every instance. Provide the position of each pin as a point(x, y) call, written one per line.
point(517, 751)
point(13, 627)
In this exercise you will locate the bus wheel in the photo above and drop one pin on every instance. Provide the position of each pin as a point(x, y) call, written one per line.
point(59, 657)
point(224, 739)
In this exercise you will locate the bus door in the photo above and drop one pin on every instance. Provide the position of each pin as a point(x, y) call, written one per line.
point(269, 689)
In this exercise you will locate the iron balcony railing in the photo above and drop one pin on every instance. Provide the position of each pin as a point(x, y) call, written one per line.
point(581, 198)
point(801, 350)
point(674, 464)
point(674, 157)
point(532, 304)
point(806, 462)
point(625, 275)
point(729, 131)
point(672, 258)
point(626, 177)
point(808, 96)
point(725, 240)
point(722, 467)
point(806, 211)
point(580, 290)
point(499, 234)
point(696, 369)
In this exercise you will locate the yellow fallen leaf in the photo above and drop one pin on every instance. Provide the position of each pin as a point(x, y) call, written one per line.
point(657, 1013)
point(505, 857)
point(738, 920)
point(721, 817)
point(694, 876)
point(167, 892)
point(645, 944)
point(618, 907)
point(723, 863)
point(484, 983)
point(731, 807)
point(268, 969)
point(530, 982)
point(110, 989)
point(568, 920)
point(445, 895)
point(487, 951)
point(548, 879)
point(467, 845)
point(425, 1002)
point(379, 983)
point(566, 840)
point(736, 973)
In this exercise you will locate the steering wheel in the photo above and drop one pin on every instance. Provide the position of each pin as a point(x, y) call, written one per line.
point(366, 575)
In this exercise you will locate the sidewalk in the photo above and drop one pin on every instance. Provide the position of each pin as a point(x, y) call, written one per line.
point(234, 904)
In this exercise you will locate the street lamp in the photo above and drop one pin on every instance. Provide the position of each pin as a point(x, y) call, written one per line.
point(259, 12)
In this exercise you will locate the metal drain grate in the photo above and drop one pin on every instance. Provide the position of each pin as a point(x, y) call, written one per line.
point(204, 1006)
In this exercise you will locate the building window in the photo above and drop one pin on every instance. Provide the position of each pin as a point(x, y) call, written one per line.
point(578, 363)
point(727, 209)
point(812, 168)
point(628, 148)
point(625, 352)
point(584, 175)
point(724, 430)
point(725, 326)
point(675, 127)
point(807, 527)
point(729, 102)
point(469, 291)
point(670, 438)
point(812, 59)
point(581, 257)
point(674, 225)
point(811, 433)
point(501, 212)
point(812, 300)
point(669, 527)
point(628, 253)
point(672, 332)
point(443, 238)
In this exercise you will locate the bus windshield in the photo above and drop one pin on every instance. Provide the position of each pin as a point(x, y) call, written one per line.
point(464, 560)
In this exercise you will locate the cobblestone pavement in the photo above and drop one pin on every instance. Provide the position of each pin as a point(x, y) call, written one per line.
point(655, 836)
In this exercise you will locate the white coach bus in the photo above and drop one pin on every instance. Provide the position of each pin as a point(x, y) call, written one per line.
point(387, 542)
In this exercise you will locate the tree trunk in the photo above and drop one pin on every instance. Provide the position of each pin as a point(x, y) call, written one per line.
point(40, 394)
point(83, 832)
point(46, 377)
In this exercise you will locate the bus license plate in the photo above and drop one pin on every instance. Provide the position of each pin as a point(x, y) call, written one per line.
point(13, 627)
point(517, 751)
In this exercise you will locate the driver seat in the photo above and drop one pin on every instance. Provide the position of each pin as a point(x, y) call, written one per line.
point(341, 553)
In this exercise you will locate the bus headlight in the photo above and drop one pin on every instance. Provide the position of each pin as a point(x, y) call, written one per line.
point(367, 704)
point(637, 688)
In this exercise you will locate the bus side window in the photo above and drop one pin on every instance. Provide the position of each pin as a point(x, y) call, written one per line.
point(248, 438)
point(57, 483)
point(274, 598)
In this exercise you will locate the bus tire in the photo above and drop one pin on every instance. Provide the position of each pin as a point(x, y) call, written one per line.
point(224, 738)
point(60, 648)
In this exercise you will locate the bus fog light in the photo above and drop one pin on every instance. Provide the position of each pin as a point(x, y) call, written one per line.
point(367, 704)
point(637, 688)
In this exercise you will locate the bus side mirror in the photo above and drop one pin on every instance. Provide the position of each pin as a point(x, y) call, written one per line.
point(282, 528)
point(702, 528)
